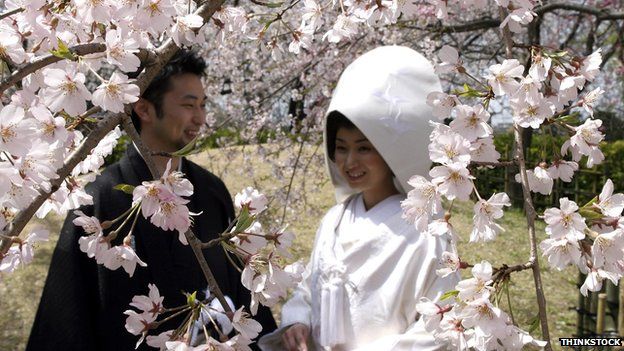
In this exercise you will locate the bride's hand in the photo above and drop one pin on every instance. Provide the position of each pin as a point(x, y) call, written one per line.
point(295, 338)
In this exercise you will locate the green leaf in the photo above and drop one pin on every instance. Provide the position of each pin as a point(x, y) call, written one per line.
point(590, 214)
point(126, 188)
point(63, 51)
point(535, 323)
point(447, 295)
point(244, 221)
point(187, 149)
point(191, 298)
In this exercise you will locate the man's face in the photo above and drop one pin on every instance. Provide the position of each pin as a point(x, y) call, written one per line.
point(183, 114)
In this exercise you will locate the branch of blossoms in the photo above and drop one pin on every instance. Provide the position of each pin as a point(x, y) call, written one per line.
point(16, 226)
point(191, 238)
point(162, 54)
point(43, 61)
point(528, 206)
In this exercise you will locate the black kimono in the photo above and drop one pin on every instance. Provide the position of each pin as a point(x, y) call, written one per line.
point(83, 303)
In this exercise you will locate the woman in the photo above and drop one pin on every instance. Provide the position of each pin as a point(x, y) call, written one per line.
point(369, 267)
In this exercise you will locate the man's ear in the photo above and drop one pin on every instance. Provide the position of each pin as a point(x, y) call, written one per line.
point(144, 110)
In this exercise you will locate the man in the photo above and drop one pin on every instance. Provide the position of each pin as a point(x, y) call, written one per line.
point(83, 303)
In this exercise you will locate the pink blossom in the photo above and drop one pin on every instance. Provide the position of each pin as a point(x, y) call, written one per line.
point(450, 148)
point(565, 221)
point(151, 304)
point(65, 91)
point(591, 65)
point(471, 122)
point(344, 27)
point(561, 252)
point(253, 200)
point(528, 114)
point(431, 312)
point(122, 256)
point(183, 32)
point(120, 51)
point(483, 150)
point(11, 47)
point(453, 181)
point(587, 102)
point(442, 104)
point(159, 340)
point(608, 250)
point(485, 212)
point(562, 169)
point(502, 77)
point(610, 204)
point(115, 93)
point(14, 130)
point(594, 279)
point(450, 60)
point(450, 263)
point(422, 202)
point(478, 286)
point(539, 180)
point(312, 12)
point(246, 326)
point(176, 182)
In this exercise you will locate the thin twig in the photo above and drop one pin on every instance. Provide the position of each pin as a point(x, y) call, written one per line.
point(292, 178)
point(11, 13)
point(528, 207)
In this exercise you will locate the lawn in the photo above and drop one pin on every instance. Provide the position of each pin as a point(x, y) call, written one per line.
point(310, 196)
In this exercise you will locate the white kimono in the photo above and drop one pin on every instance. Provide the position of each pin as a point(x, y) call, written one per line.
point(367, 271)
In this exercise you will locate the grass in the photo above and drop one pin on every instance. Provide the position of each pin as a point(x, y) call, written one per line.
point(310, 196)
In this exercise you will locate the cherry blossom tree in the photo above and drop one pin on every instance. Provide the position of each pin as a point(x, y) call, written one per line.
point(65, 92)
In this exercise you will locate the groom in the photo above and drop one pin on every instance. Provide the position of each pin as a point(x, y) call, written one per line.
point(83, 303)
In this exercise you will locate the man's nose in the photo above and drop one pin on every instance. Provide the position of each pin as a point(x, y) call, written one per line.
point(199, 116)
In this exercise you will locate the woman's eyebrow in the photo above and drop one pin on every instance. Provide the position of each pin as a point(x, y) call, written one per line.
point(357, 141)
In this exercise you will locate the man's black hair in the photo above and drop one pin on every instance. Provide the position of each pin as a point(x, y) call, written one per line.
point(184, 61)
point(335, 121)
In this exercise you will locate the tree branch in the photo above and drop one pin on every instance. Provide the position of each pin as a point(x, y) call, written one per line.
point(483, 23)
point(600, 14)
point(11, 13)
point(528, 207)
point(81, 49)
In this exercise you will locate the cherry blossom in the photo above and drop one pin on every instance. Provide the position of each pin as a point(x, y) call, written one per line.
point(562, 169)
point(251, 199)
point(442, 104)
point(120, 51)
point(611, 205)
point(344, 27)
point(113, 94)
point(485, 229)
point(476, 287)
point(122, 256)
point(540, 180)
point(246, 326)
point(565, 221)
point(450, 263)
point(14, 130)
point(450, 148)
point(65, 91)
point(422, 202)
point(483, 150)
point(502, 77)
point(182, 32)
point(453, 180)
point(450, 60)
point(561, 252)
point(471, 122)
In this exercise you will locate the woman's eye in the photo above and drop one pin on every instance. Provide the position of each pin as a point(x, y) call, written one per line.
point(364, 149)
point(340, 148)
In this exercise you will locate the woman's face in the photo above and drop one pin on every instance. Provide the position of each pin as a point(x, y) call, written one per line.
point(361, 165)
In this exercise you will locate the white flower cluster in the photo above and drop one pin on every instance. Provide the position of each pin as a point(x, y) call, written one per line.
point(567, 243)
point(472, 321)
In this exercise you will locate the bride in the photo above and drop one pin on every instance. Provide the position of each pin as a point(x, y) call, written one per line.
point(369, 267)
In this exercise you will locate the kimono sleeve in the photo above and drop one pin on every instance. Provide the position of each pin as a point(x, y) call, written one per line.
point(416, 338)
point(65, 318)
